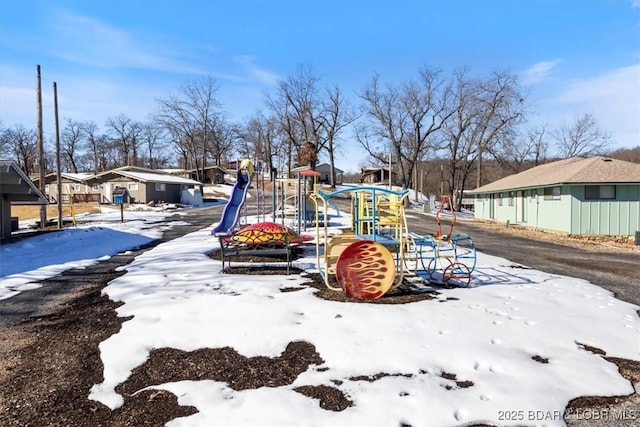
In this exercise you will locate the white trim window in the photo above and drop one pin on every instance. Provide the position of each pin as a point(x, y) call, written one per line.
point(132, 186)
point(161, 186)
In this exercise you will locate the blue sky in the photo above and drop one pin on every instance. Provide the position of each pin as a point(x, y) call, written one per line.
point(118, 57)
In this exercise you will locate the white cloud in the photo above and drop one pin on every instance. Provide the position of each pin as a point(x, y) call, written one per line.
point(104, 70)
point(80, 97)
point(612, 97)
point(87, 41)
point(539, 71)
point(261, 74)
point(622, 83)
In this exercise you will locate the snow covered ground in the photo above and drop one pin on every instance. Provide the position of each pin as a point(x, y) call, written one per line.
point(494, 335)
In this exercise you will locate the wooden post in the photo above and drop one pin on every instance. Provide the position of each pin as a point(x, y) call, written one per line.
point(58, 174)
point(43, 208)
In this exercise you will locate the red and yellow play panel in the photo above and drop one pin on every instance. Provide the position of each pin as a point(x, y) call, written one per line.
point(268, 232)
point(365, 270)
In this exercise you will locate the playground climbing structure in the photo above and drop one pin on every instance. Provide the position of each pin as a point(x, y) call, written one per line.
point(378, 251)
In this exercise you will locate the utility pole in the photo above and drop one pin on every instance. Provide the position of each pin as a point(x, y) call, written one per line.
point(58, 174)
point(390, 170)
point(43, 208)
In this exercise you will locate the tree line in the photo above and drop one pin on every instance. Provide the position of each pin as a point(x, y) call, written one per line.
point(470, 126)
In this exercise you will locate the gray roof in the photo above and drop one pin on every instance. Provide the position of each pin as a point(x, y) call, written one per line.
point(576, 170)
point(16, 186)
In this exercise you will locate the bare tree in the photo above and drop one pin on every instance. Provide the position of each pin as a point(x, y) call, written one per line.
point(126, 135)
point(486, 112)
point(21, 144)
point(261, 133)
point(296, 106)
point(191, 119)
point(519, 152)
point(92, 144)
point(537, 144)
point(581, 138)
point(152, 137)
point(101, 150)
point(5, 148)
point(182, 128)
point(71, 143)
point(627, 154)
point(335, 116)
point(222, 140)
point(405, 120)
point(309, 120)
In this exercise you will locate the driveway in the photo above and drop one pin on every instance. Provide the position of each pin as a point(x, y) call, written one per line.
point(619, 273)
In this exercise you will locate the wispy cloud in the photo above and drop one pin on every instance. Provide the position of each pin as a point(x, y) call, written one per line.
point(87, 41)
point(82, 98)
point(262, 75)
point(539, 71)
point(613, 99)
point(103, 70)
point(621, 83)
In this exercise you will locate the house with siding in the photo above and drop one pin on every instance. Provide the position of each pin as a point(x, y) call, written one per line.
point(378, 176)
point(144, 185)
point(583, 196)
point(74, 187)
point(325, 173)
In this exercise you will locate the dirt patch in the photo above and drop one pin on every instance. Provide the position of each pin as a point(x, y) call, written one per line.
point(330, 398)
point(26, 212)
point(48, 366)
point(608, 244)
point(224, 365)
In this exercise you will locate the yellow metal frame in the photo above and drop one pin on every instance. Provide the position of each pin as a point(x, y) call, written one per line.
point(376, 214)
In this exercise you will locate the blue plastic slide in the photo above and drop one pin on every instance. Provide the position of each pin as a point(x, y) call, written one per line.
point(231, 212)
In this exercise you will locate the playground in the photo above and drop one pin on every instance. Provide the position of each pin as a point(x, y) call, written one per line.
point(376, 253)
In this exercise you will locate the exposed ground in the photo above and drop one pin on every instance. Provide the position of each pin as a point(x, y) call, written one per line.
point(607, 244)
point(24, 212)
point(49, 362)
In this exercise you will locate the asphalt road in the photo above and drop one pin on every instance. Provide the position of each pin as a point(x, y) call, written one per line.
point(619, 273)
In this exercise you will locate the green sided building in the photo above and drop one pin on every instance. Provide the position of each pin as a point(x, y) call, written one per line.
point(584, 196)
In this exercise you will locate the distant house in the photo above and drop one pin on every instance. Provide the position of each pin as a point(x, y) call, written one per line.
point(297, 170)
point(74, 187)
point(588, 196)
point(378, 175)
point(144, 185)
point(212, 175)
point(232, 166)
point(325, 173)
